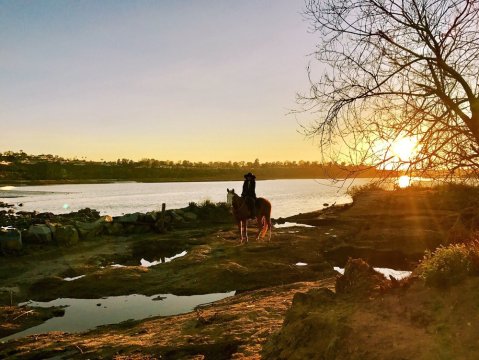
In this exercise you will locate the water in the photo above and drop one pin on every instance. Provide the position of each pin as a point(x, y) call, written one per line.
point(397, 274)
point(86, 314)
point(288, 197)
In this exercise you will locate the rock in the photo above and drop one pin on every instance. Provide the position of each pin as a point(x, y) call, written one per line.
point(114, 228)
point(189, 216)
point(40, 233)
point(128, 218)
point(175, 217)
point(154, 215)
point(10, 240)
point(6, 219)
point(46, 215)
point(148, 218)
point(310, 330)
point(66, 235)
point(359, 277)
point(89, 214)
point(92, 229)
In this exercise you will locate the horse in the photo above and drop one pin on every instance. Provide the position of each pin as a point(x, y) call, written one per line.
point(241, 213)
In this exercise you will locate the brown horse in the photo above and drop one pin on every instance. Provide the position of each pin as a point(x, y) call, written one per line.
point(242, 214)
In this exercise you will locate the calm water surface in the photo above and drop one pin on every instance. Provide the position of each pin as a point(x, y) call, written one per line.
point(288, 197)
point(85, 314)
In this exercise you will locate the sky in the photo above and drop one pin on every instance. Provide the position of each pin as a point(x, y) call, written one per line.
point(198, 80)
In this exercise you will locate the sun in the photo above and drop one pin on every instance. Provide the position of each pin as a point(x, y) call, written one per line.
point(404, 181)
point(404, 148)
point(398, 152)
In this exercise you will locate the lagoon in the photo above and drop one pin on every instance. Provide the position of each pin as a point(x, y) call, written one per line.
point(288, 197)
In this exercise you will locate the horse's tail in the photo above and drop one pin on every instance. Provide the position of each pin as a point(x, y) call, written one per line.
point(266, 218)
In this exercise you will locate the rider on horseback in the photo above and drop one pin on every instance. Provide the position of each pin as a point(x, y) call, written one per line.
point(249, 193)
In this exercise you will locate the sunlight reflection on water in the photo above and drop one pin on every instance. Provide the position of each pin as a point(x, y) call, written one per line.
point(397, 274)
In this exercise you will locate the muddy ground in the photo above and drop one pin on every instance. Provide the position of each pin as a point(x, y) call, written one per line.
point(387, 228)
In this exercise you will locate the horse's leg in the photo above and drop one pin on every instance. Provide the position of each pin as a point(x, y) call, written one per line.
point(270, 225)
point(259, 220)
point(245, 226)
point(240, 229)
point(266, 225)
point(267, 222)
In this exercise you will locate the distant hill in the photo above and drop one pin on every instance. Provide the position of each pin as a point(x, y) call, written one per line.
point(20, 167)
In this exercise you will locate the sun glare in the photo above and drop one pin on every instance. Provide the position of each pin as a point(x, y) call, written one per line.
point(404, 148)
point(398, 152)
point(404, 181)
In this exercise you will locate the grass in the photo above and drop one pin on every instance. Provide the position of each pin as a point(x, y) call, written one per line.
point(449, 265)
point(210, 211)
point(356, 191)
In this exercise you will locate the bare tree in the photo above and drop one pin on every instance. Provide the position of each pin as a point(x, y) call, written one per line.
point(397, 69)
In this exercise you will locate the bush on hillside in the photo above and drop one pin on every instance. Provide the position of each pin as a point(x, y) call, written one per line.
point(355, 191)
point(449, 265)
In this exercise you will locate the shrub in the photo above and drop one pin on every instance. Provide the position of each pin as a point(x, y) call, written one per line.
point(210, 211)
point(450, 264)
point(355, 191)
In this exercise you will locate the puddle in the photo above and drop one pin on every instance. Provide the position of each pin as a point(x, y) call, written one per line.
point(397, 274)
point(86, 314)
point(73, 278)
point(301, 264)
point(290, 224)
point(146, 263)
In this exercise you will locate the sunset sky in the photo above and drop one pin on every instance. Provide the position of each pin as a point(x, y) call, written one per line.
point(197, 80)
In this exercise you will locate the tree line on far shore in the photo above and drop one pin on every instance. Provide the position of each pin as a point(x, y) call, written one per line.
point(19, 166)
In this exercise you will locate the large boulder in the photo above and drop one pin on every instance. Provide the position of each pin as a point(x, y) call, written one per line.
point(10, 240)
point(90, 230)
point(114, 228)
point(190, 216)
point(129, 218)
point(40, 233)
point(148, 218)
point(359, 278)
point(175, 216)
point(66, 235)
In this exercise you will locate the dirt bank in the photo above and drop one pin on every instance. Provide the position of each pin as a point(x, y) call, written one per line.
point(403, 320)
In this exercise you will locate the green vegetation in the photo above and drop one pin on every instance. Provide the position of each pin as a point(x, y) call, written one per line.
point(21, 167)
point(355, 191)
point(210, 211)
point(449, 265)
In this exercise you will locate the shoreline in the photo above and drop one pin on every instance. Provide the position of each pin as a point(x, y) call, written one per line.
point(4, 182)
